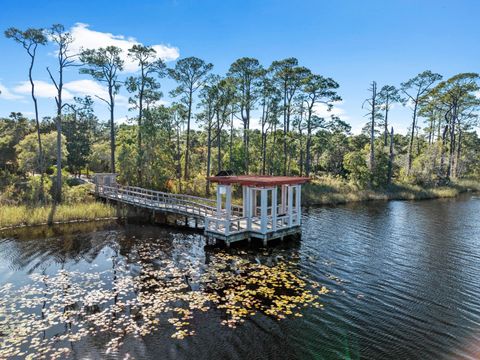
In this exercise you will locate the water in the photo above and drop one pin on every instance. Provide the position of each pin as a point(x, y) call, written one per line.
point(396, 280)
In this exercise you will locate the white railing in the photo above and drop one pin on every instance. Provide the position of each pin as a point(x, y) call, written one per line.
point(204, 208)
point(179, 203)
point(225, 226)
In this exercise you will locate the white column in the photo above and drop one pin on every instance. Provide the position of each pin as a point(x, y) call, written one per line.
point(219, 199)
point(290, 205)
point(244, 198)
point(283, 199)
point(298, 204)
point(263, 210)
point(228, 201)
point(253, 203)
point(248, 207)
point(274, 208)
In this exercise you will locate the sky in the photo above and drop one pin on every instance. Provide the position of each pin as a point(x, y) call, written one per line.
point(354, 42)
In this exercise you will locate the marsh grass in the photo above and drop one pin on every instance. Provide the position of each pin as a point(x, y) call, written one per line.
point(21, 215)
point(332, 190)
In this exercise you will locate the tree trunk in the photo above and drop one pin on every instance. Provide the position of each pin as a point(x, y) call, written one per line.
point(372, 128)
point(390, 159)
point(187, 147)
point(444, 144)
point(112, 128)
point(231, 142)
point(209, 152)
point(412, 135)
point(285, 130)
point(58, 122)
point(41, 165)
point(274, 144)
point(459, 152)
point(219, 144)
point(139, 132)
point(309, 141)
point(451, 152)
point(385, 133)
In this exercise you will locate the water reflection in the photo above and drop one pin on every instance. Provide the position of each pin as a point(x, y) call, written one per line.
point(121, 284)
point(402, 279)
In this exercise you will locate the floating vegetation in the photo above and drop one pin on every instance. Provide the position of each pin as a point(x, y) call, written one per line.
point(45, 318)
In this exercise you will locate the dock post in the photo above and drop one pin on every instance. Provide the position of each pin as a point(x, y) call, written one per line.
point(265, 242)
point(290, 205)
point(263, 210)
point(298, 203)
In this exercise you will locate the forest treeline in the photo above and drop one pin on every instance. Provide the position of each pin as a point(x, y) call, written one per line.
point(174, 147)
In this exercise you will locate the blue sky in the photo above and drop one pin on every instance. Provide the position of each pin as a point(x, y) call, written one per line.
point(354, 42)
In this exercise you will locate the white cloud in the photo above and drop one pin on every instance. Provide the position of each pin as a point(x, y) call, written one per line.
point(477, 94)
point(322, 111)
point(122, 120)
point(71, 89)
point(86, 38)
point(6, 94)
point(92, 88)
point(86, 87)
point(43, 89)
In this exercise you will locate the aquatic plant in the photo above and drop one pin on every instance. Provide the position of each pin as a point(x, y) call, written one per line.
point(46, 317)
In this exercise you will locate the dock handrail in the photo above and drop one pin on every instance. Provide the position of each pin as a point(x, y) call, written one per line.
point(187, 204)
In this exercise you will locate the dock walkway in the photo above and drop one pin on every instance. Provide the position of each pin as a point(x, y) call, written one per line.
point(221, 219)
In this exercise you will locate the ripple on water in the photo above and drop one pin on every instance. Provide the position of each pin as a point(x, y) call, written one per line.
point(403, 280)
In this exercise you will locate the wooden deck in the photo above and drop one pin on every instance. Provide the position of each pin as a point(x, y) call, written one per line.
point(234, 227)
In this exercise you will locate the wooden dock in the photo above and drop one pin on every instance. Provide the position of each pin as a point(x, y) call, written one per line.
point(221, 219)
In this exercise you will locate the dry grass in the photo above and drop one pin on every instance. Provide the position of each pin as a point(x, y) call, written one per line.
point(13, 215)
point(331, 191)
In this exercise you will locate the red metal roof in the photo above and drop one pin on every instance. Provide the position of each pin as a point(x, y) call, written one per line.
point(258, 180)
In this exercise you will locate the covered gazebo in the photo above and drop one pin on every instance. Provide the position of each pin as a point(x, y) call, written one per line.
point(271, 207)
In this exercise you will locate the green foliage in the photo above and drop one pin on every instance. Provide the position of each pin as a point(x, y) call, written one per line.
point(211, 128)
point(355, 163)
point(12, 130)
point(27, 151)
point(77, 194)
point(99, 157)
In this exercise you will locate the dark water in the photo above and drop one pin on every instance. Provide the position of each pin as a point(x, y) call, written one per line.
point(403, 282)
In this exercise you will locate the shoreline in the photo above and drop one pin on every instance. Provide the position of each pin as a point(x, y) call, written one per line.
point(22, 216)
point(73, 221)
point(335, 192)
point(321, 192)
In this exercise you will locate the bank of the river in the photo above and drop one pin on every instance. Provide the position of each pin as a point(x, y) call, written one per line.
point(331, 191)
point(21, 215)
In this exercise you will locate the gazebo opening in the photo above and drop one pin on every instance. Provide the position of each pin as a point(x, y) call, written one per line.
point(271, 207)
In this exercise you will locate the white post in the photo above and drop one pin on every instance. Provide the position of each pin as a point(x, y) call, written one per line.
point(245, 203)
point(263, 210)
point(248, 207)
point(228, 201)
point(274, 208)
point(219, 200)
point(283, 199)
point(299, 203)
point(253, 202)
point(290, 205)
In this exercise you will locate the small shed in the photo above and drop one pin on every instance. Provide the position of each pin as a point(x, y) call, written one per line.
point(271, 207)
